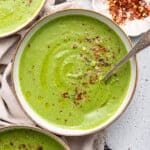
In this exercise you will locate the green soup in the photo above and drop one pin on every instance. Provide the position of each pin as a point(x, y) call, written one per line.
point(15, 13)
point(61, 70)
point(27, 139)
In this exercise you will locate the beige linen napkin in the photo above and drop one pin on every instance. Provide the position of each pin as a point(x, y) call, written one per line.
point(10, 111)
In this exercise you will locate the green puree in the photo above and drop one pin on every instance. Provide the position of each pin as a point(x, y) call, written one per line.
point(14, 13)
point(27, 139)
point(61, 70)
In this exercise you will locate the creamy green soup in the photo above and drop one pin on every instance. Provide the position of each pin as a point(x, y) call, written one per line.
point(27, 139)
point(15, 13)
point(61, 71)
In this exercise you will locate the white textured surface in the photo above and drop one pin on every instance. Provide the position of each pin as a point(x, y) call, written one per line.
point(132, 130)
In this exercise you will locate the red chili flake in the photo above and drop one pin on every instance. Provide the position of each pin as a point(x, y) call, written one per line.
point(65, 95)
point(81, 55)
point(113, 55)
point(76, 103)
point(79, 96)
point(96, 56)
point(101, 59)
point(99, 64)
point(65, 120)
point(97, 37)
point(30, 1)
point(85, 84)
point(79, 40)
point(96, 51)
point(93, 79)
point(11, 143)
point(102, 62)
point(28, 45)
point(39, 148)
point(74, 46)
point(84, 92)
point(85, 74)
point(76, 90)
point(122, 10)
point(102, 48)
point(93, 48)
point(105, 64)
point(87, 39)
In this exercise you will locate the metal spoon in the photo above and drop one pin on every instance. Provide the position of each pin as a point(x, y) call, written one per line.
point(140, 45)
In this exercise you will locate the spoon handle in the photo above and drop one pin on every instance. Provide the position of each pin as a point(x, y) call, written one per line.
point(140, 45)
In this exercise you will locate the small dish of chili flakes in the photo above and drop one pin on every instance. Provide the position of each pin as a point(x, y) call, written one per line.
point(133, 16)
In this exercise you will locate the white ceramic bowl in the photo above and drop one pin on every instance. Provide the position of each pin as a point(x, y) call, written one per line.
point(35, 117)
point(10, 128)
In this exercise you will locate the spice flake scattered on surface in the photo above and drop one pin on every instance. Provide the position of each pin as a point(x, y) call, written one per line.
point(123, 10)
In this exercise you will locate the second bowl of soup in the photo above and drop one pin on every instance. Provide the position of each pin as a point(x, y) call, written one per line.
point(16, 14)
point(29, 138)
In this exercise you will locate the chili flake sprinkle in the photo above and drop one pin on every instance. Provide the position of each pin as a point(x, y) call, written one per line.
point(65, 95)
point(93, 63)
point(123, 10)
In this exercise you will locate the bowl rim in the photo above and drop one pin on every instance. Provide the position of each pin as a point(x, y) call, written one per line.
point(37, 129)
point(26, 23)
point(98, 127)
